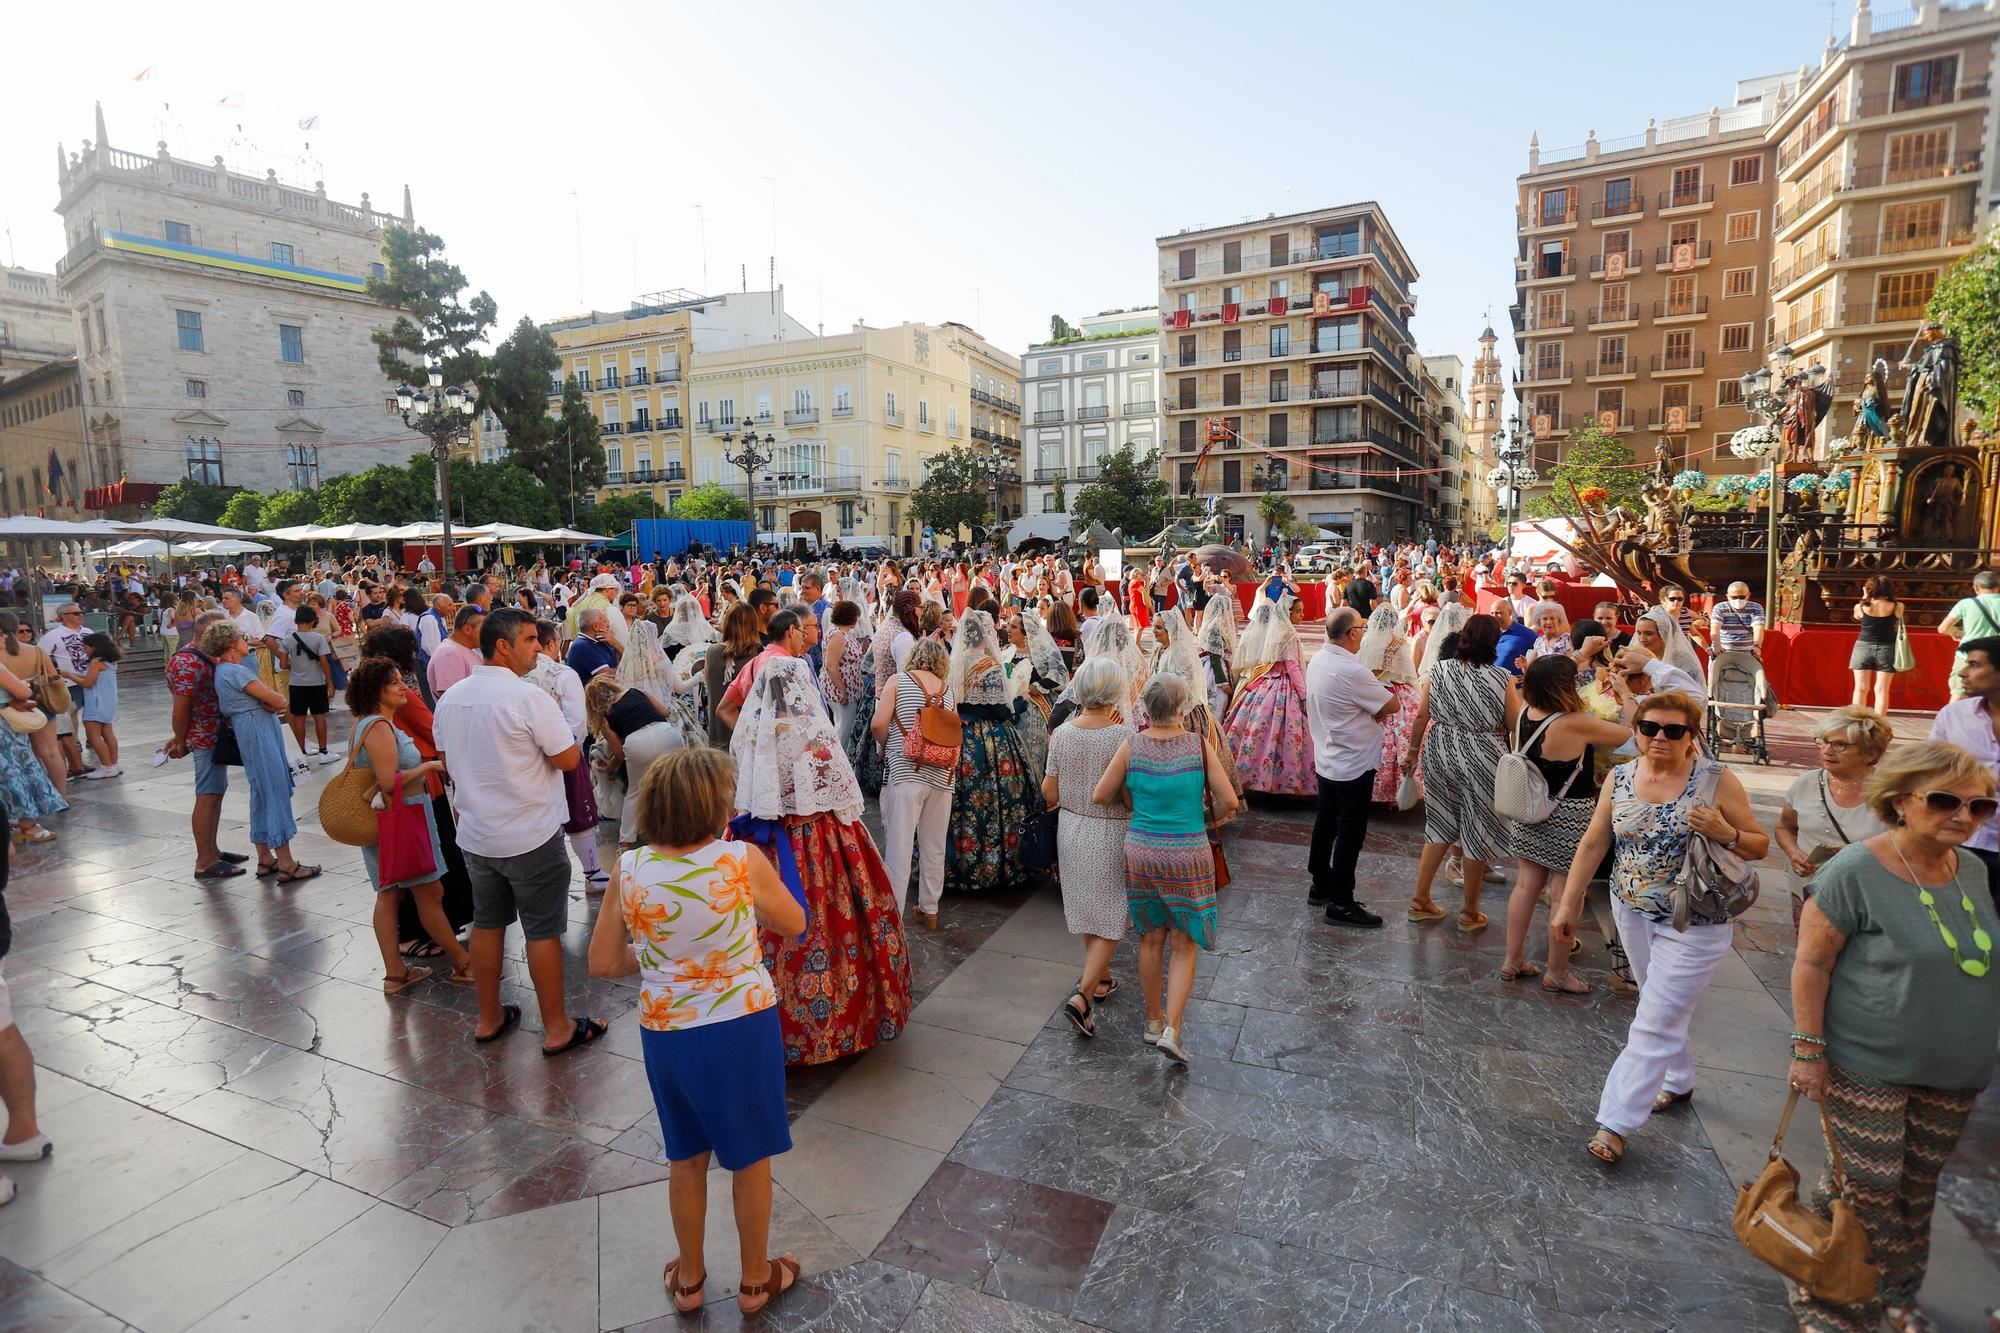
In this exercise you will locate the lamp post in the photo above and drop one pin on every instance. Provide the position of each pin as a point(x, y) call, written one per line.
point(443, 415)
point(749, 458)
point(1767, 403)
point(999, 470)
point(1514, 447)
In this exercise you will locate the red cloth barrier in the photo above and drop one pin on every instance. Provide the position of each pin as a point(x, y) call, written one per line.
point(1312, 599)
point(1578, 601)
point(1807, 666)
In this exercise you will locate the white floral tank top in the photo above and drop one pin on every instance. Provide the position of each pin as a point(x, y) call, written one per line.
point(694, 929)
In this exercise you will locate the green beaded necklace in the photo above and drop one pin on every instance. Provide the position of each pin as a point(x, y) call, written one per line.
point(1972, 967)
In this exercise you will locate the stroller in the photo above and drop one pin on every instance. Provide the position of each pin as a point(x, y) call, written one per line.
point(1739, 702)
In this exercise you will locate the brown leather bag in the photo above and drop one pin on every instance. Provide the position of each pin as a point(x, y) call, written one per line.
point(1828, 1259)
point(938, 735)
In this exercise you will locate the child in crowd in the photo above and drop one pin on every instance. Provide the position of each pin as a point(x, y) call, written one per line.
point(99, 684)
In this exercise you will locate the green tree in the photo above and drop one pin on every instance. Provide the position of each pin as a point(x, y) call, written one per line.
point(1967, 303)
point(435, 324)
point(1588, 457)
point(1061, 495)
point(336, 500)
point(288, 509)
point(1277, 511)
point(245, 510)
point(1059, 329)
point(386, 493)
point(191, 500)
point(615, 514)
point(953, 494)
point(712, 500)
point(1129, 493)
point(499, 493)
point(562, 451)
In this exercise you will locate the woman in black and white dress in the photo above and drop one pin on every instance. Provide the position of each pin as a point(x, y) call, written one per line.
point(1464, 711)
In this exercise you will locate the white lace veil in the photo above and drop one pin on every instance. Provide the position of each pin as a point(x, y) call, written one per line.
point(644, 666)
point(975, 637)
point(1379, 642)
point(1217, 635)
point(1450, 621)
point(1177, 656)
point(1269, 635)
point(689, 627)
point(788, 760)
point(1043, 653)
point(1111, 637)
point(1679, 651)
point(855, 591)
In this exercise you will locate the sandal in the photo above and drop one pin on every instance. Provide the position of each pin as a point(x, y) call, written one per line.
point(1079, 1019)
point(1104, 990)
point(423, 949)
point(1606, 1147)
point(1422, 912)
point(784, 1275)
point(510, 1018)
point(35, 833)
point(1478, 922)
point(1525, 972)
point(266, 869)
point(220, 870)
point(1568, 984)
point(678, 1293)
point(1908, 1319)
point(1667, 1099)
point(411, 976)
point(928, 920)
point(585, 1032)
point(463, 976)
point(298, 874)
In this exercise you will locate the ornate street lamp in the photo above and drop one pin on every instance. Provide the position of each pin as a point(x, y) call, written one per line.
point(750, 458)
point(1514, 447)
point(443, 415)
point(999, 470)
point(1767, 403)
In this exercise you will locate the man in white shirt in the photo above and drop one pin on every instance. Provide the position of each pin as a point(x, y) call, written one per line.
point(247, 621)
point(507, 746)
point(1345, 707)
point(254, 577)
point(1974, 724)
point(63, 643)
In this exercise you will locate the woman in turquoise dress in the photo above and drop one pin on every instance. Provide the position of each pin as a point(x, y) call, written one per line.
point(1164, 772)
point(375, 691)
point(997, 794)
point(25, 789)
point(250, 709)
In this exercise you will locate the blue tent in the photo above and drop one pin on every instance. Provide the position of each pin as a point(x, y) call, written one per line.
point(658, 538)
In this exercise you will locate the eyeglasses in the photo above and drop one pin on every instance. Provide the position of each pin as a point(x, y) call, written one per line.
point(1673, 731)
point(1948, 803)
point(1671, 601)
point(1829, 743)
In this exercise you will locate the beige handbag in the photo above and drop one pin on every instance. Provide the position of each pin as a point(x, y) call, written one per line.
point(1828, 1259)
point(346, 803)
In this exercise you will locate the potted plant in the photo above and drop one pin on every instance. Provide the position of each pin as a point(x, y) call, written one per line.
point(1733, 487)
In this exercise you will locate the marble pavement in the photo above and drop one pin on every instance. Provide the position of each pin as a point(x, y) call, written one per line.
point(1375, 1132)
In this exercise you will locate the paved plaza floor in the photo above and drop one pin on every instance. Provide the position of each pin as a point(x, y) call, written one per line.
point(1375, 1131)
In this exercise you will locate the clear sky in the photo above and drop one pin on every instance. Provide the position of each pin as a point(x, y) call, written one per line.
point(931, 161)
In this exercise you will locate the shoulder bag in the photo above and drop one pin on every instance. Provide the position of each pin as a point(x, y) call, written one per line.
point(49, 689)
point(346, 803)
point(1520, 790)
point(1906, 656)
point(1714, 885)
point(1830, 1259)
point(938, 734)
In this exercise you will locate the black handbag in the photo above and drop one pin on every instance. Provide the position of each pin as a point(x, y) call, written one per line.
point(1038, 842)
point(226, 751)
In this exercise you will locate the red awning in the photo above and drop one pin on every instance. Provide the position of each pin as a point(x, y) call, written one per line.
point(119, 494)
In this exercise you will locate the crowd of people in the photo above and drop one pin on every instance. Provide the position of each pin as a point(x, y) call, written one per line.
point(1034, 723)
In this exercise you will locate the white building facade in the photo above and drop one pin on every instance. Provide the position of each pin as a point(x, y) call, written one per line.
point(1081, 399)
point(34, 322)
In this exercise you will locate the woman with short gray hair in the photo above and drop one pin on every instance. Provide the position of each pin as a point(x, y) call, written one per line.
point(1163, 773)
point(1090, 837)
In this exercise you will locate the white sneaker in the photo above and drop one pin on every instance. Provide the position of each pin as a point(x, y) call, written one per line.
point(1154, 1027)
point(27, 1150)
point(325, 757)
point(1170, 1046)
point(6, 1190)
point(92, 774)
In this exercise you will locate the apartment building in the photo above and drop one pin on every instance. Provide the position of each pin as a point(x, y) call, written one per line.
point(632, 367)
point(223, 326)
point(849, 423)
point(1086, 396)
point(42, 443)
point(1808, 223)
point(1444, 392)
point(1288, 348)
point(35, 324)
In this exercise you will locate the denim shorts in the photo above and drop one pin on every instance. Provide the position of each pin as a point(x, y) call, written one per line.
point(533, 887)
point(210, 778)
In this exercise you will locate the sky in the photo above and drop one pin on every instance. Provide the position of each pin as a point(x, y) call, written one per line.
point(902, 161)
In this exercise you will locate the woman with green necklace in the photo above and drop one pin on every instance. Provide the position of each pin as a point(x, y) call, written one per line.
point(1898, 1011)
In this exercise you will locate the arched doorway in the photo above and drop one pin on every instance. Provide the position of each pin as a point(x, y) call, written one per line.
point(805, 527)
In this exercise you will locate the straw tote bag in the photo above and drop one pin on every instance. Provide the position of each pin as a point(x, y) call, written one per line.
point(346, 809)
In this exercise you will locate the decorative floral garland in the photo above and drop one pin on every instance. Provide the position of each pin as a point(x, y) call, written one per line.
point(1754, 442)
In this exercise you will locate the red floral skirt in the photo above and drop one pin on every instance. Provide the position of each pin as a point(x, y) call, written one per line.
point(843, 986)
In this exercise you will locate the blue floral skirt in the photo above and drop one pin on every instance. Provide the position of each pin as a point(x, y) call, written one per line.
point(997, 794)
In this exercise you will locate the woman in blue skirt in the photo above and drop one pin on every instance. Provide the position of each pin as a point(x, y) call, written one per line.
point(250, 710)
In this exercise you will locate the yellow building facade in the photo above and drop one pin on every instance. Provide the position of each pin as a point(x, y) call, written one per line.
point(632, 369)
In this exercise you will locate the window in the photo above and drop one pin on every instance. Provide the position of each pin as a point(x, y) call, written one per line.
point(1339, 242)
point(951, 419)
point(1614, 309)
point(204, 461)
point(197, 388)
point(1925, 83)
point(725, 409)
point(1554, 207)
point(302, 466)
point(1683, 233)
point(1612, 401)
point(843, 400)
point(1278, 430)
point(188, 325)
point(1051, 504)
point(1680, 296)
point(292, 342)
point(378, 272)
point(103, 338)
point(923, 411)
point(1903, 295)
point(1746, 170)
point(1617, 196)
point(1548, 360)
point(1740, 227)
point(1185, 441)
point(1739, 282)
point(1735, 337)
point(297, 398)
point(1677, 349)
point(1913, 226)
point(280, 253)
point(1611, 355)
point(764, 407)
point(1728, 392)
point(1232, 256)
point(180, 233)
point(1337, 382)
point(1618, 243)
point(1342, 334)
point(1279, 287)
point(1336, 425)
point(1686, 187)
point(1094, 362)
point(1550, 309)
point(1915, 156)
point(889, 404)
point(1186, 263)
point(892, 464)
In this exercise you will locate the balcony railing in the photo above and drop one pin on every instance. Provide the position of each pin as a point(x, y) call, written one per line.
point(642, 426)
point(1656, 417)
point(1542, 269)
point(843, 410)
point(1671, 362)
point(1090, 413)
point(1146, 408)
point(611, 428)
point(1621, 365)
point(1538, 323)
point(1696, 307)
point(610, 381)
point(1663, 255)
point(1632, 206)
point(1901, 243)
point(801, 416)
point(1547, 213)
point(1544, 374)
point(1696, 197)
point(1616, 314)
point(1867, 175)
point(981, 433)
point(1880, 312)
point(614, 478)
point(1087, 471)
point(891, 416)
point(674, 473)
point(1888, 103)
point(1051, 474)
point(1043, 417)
point(1261, 260)
point(667, 375)
point(1804, 264)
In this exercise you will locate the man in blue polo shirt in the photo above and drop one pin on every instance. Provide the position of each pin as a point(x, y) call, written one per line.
point(1516, 639)
point(593, 650)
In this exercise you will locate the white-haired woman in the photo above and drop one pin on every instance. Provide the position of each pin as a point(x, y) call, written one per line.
point(844, 985)
point(995, 795)
point(1386, 651)
point(1180, 658)
point(1266, 728)
point(1164, 773)
point(1090, 836)
point(1551, 625)
point(1827, 809)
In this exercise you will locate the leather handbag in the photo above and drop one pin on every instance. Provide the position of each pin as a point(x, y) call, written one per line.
point(1714, 885)
point(404, 853)
point(1830, 1259)
point(938, 734)
point(1221, 864)
point(346, 804)
point(1038, 842)
point(227, 751)
point(51, 691)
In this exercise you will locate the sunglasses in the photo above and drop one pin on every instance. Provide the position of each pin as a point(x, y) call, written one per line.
point(1673, 731)
point(1948, 803)
point(1671, 601)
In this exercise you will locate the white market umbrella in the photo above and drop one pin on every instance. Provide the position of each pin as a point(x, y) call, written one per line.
point(569, 535)
point(353, 532)
point(27, 525)
point(136, 547)
point(221, 546)
point(178, 527)
point(298, 532)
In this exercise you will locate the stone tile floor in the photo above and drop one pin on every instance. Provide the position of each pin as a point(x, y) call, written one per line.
point(1375, 1131)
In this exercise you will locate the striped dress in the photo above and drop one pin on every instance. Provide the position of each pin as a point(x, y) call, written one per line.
point(1169, 869)
point(1468, 717)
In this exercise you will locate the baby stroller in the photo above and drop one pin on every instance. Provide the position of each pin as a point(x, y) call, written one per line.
point(1739, 701)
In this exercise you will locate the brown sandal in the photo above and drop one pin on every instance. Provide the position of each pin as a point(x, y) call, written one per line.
point(1568, 984)
point(784, 1276)
point(411, 976)
point(678, 1293)
point(1603, 1149)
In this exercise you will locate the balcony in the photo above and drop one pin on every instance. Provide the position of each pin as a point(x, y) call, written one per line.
point(638, 379)
point(614, 478)
point(1611, 368)
point(891, 417)
point(842, 410)
point(1880, 312)
point(611, 428)
point(1615, 210)
point(1546, 269)
point(1901, 243)
point(1047, 416)
point(926, 424)
point(1144, 409)
point(1612, 423)
point(1678, 363)
point(643, 426)
point(1090, 413)
point(1890, 103)
point(994, 401)
point(667, 375)
point(1547, 213)
point(802, 416)
point(710, 425)
point(1697, 308)
point(1556, 374)
point(668, 421)
point(610, 380)
point(1562, 322)
point(1803, 266)
point(1657, 418)
point(1601, 317)
point(1664, 255)
point(1051, 474)
point(982, 434)
point(674, 472)
point(1087, 471)
point(1347, 247)
point(1691, 200)
point(1868, 175)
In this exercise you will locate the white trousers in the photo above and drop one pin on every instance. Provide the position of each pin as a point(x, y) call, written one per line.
point(843, 718)
point(916, 814)
point(1673, 971)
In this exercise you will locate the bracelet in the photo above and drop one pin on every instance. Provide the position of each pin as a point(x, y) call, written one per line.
point(1808, 1059)
point(1809, 1037)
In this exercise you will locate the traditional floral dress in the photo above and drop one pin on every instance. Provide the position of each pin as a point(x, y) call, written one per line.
point(1267, 731)
point(996, 793)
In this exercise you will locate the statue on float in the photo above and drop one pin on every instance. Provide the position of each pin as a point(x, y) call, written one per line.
point(1930, 403)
